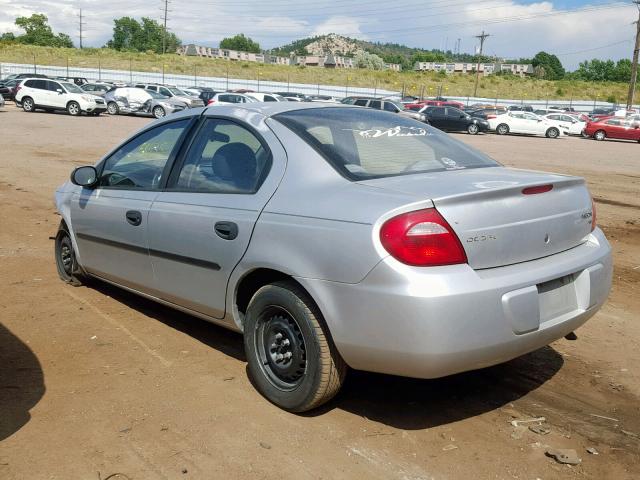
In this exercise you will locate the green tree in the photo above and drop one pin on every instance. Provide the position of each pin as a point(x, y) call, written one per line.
point(240, 43)
point(38, 32)
point(553, 69)
point(368, 60)
point(129, 34)
point(7, 37)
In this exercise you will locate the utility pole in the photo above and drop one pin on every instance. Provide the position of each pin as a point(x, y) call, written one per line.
point(164, 30)
point(80, 25)
point(482, 38)
point(634, 65)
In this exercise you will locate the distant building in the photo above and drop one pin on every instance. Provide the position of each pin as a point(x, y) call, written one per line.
point(518, 69)
point(326, 61)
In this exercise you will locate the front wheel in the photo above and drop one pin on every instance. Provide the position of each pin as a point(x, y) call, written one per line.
point(68, 268)
point(73, 109)
point(473, 129)
point(112, 108)
point(553, 133)
point(502, 129)
point(600, 135)
point(159, 112)
point(291, 358)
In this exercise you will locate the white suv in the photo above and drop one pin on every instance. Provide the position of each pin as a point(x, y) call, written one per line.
point(49, 95)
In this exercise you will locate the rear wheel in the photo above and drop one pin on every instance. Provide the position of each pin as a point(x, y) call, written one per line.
point(502, 129)
point(112, 108)
point(291, 358)
point(73, 109)
point(28, 105)
point(600, 135)
point(473, 129)
point(68, 268)
point(158, 112)
point(552, 133)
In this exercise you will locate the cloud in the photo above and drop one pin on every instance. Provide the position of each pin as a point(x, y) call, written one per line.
point(342, 25)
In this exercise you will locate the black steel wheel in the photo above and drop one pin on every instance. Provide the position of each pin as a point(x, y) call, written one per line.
point(67, 266)
point(291, 358)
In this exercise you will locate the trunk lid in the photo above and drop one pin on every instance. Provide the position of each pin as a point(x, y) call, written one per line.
point(495, 221)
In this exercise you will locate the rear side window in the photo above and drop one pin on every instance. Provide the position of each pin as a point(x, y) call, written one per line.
point(38, 84)
point(269, 98)
point(390, 107)
point(225, 157)
point(361, 102)
point(377, 104)
point(364, 144)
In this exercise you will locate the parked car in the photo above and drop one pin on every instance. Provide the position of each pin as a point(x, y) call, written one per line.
point(22, 76)
point(450, 119)
point(571, 123)
point(545, 111)
point(389, 106)
point(1, 101)
point(50, 95)
point(527, 123)
point(293, 99)
point(301, 96)
point(130, 100)
point(337, 237)
point(79, 81)
point(172, 92)
point(619, 128)
point(323, 99)
point(266, 97)
point(231, 98)
point(520, 108)
point(8, 89)
point(96, 88)
point(601, 113)
point(487, 113)
point(205, 93)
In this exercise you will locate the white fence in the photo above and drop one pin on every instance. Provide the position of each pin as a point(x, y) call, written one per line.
point(224, 83)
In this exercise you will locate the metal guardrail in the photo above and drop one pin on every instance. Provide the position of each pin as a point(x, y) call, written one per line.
point(226, 83)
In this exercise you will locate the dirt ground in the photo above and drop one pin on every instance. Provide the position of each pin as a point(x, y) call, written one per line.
point(95, 381)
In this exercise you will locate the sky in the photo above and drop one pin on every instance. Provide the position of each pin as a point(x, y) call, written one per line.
point(518, 28)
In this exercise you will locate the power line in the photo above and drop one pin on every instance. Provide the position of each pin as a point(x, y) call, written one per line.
point(592, 49)
point(482, 37)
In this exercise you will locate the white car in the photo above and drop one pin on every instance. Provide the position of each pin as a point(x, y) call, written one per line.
point(266, 97)
point(49, 95)
point(230, 98)
point(527, 123)
point(572, 124)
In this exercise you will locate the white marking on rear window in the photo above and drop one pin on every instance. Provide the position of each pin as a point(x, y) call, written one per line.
point(397, 131)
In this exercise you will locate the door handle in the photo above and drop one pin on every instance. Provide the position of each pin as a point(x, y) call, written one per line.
point(226, 230)
point(134, 217)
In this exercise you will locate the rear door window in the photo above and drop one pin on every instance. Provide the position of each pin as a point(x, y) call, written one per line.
point(361, 102)
point(377, 104)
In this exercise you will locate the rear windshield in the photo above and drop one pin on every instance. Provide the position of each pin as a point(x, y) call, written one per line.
point(364, 143)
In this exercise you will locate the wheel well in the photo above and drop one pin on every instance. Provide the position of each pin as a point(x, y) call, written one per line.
point(252, 282)
point(72, 101)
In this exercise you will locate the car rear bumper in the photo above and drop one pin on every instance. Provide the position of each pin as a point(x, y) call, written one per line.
point(432, 322)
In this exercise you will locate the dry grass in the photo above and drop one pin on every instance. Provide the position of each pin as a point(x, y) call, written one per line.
point(413, 82)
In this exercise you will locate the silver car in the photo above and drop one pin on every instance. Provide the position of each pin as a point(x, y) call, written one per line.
point(129, 100)
point(336, 237)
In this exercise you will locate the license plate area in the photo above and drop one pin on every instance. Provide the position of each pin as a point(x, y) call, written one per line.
point(557, 297)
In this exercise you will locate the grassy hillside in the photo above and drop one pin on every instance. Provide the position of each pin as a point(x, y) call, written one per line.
point(413, 82)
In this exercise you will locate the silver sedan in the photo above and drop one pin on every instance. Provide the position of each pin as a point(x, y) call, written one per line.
point(336, 237)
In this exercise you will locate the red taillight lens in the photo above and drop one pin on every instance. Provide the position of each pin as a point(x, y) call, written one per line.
point(422, 238)
point(537, 189)
point(491, 116)
point(211, 101)
point(593, 215)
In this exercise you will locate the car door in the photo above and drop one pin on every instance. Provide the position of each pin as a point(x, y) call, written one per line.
point(456, 119)
point(201, 225)
point(110, 220)
point(614, 128)
point(437, 118)
point(57, 95)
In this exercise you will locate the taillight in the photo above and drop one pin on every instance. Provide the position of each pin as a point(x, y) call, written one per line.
point(491, 116)
point(211, 101)
point(593, 215)
point(422, 238)
point(537, 189)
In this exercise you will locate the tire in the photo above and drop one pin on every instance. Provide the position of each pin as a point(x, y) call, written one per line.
point(473, 129)
point(502, 129)
point(112, 108)
point(73, 109)
point(552, 132)
point(585, 134)
point(158, 112)
point(283, 322)
point(68, 269)
point(28, 105)
point(600, 135)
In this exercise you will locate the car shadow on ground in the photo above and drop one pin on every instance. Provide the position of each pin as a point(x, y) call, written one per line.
point(214, 336)
point(405, 403)
point(21, 383)
point(414, 404)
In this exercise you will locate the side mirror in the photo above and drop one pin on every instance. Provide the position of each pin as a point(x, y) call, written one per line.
point(86, 177)
point(59, 91)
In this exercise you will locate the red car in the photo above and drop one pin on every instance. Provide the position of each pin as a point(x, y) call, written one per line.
point(434, 103)
point(614, 127)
